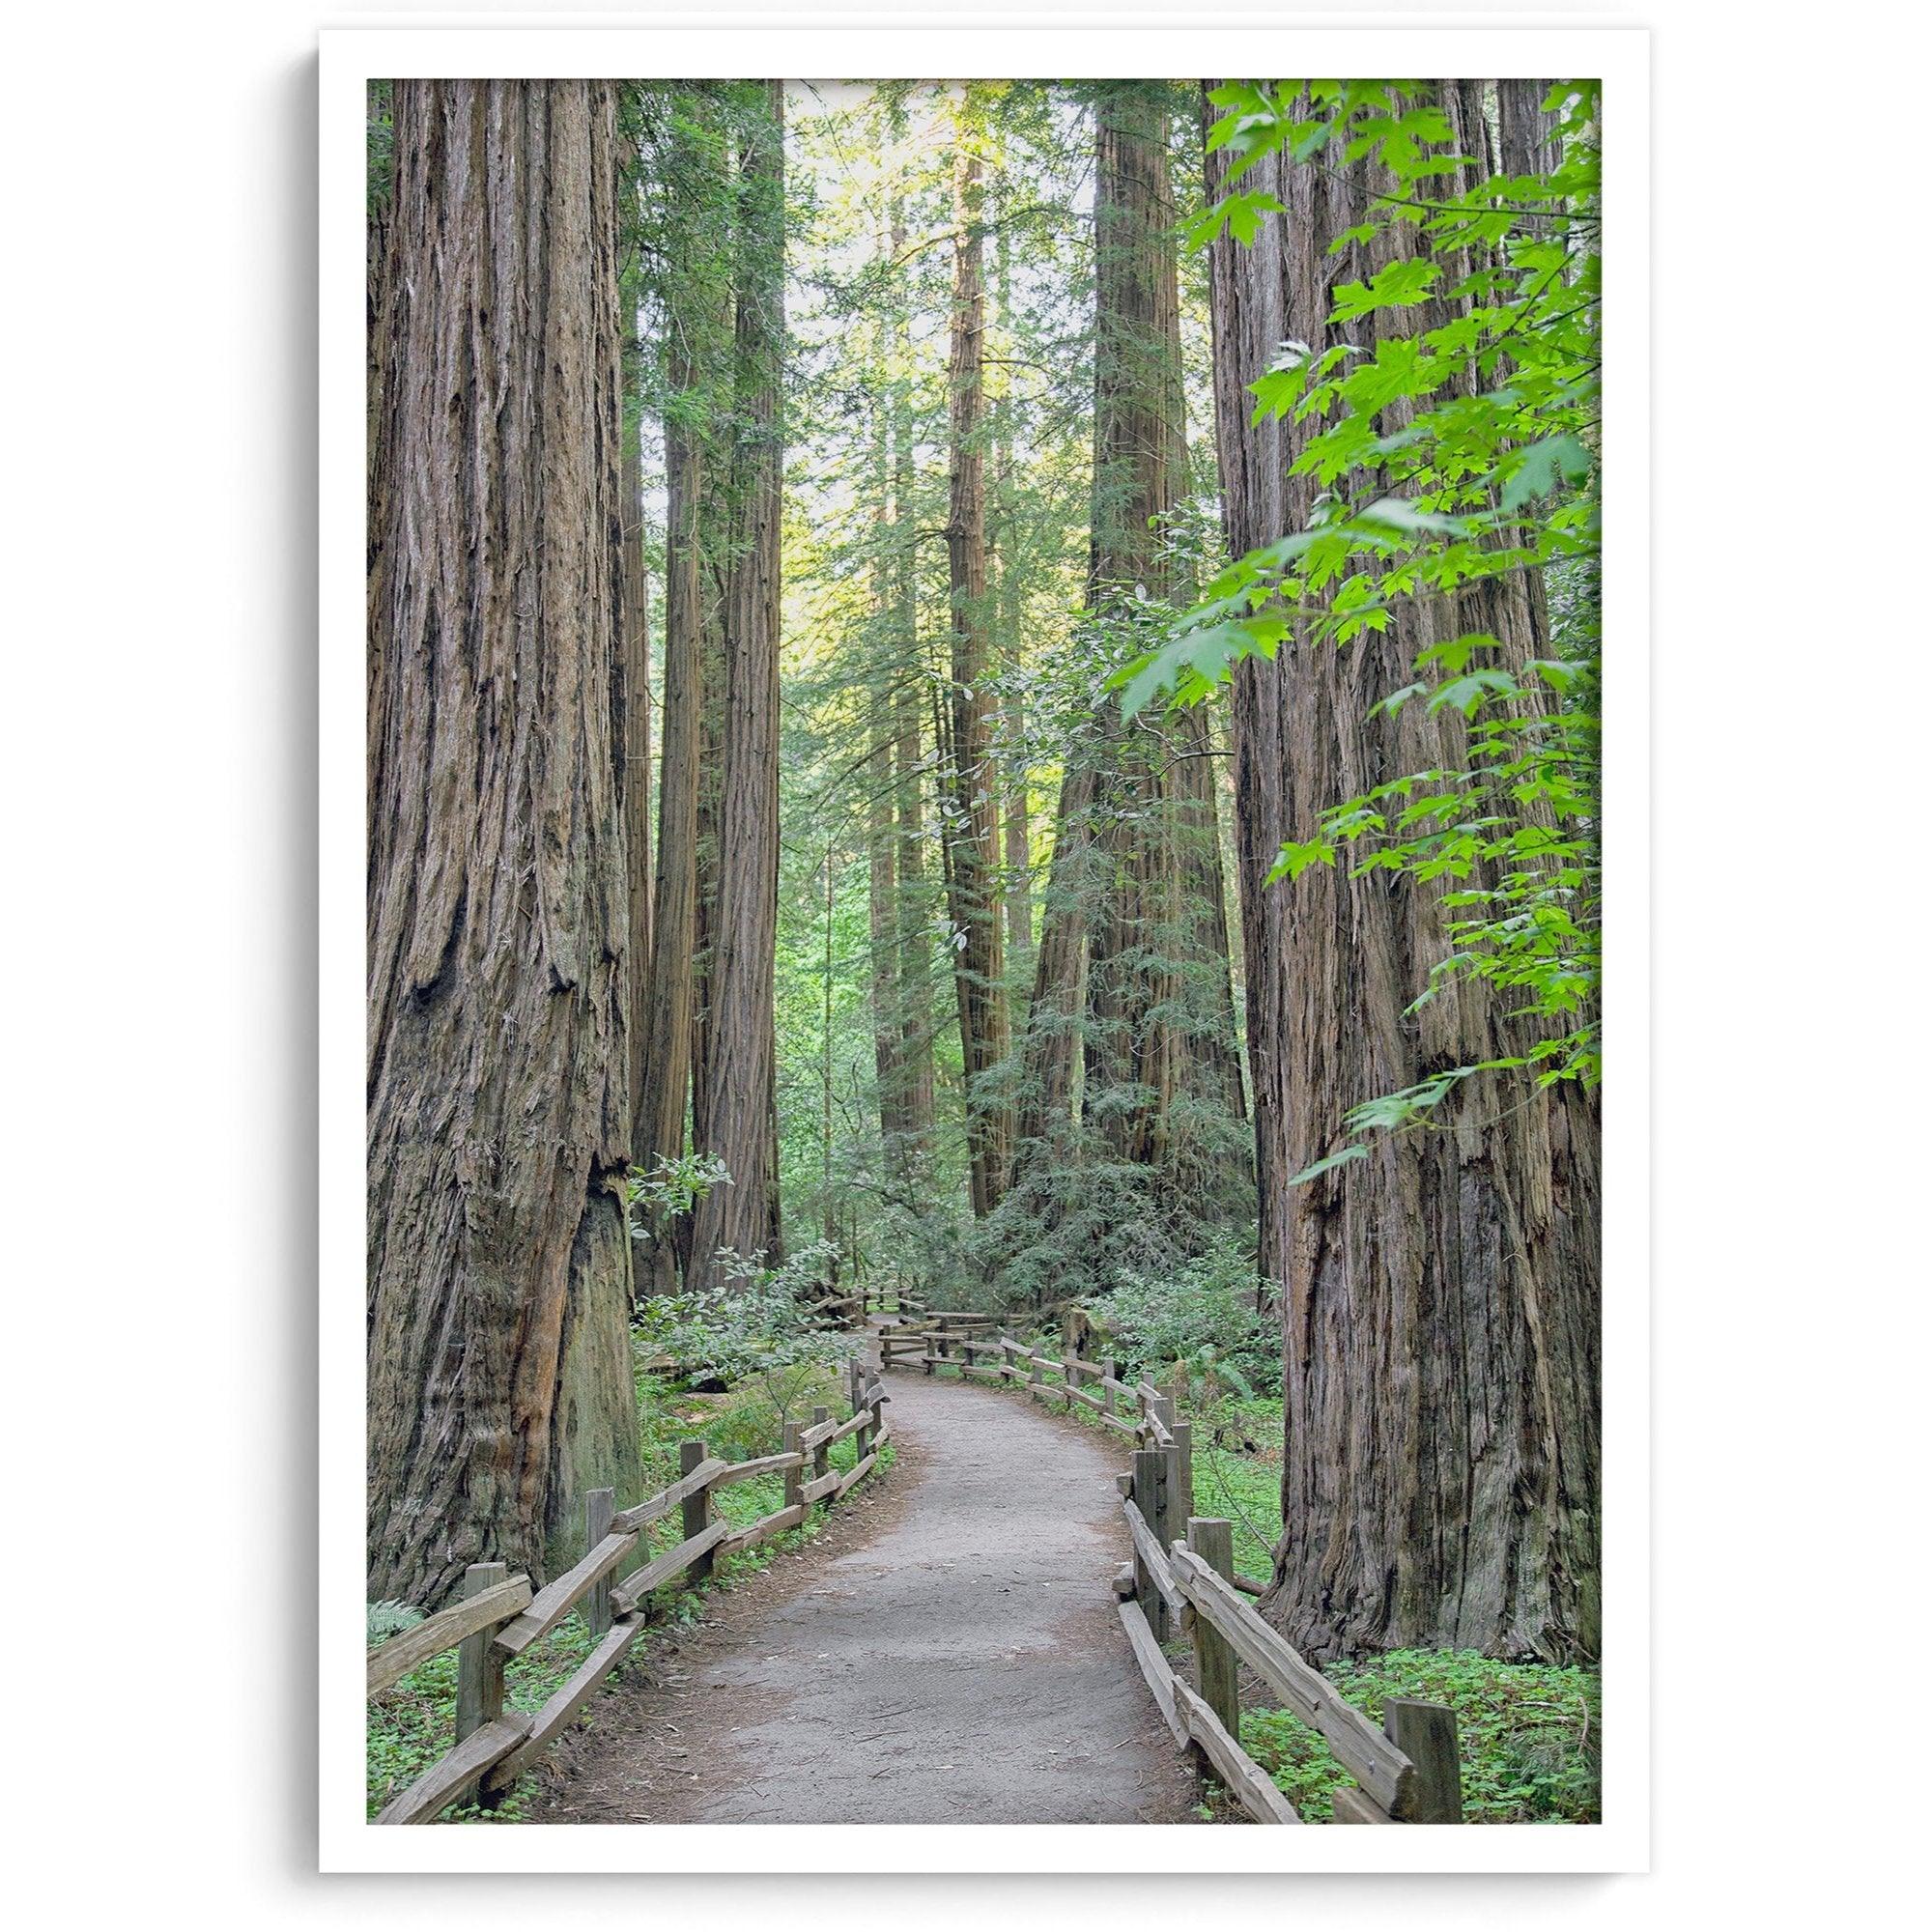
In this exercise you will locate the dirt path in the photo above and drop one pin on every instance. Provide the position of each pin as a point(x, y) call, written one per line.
point(945, 1653)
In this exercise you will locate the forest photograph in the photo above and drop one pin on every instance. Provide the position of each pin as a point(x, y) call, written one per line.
point(984, 891)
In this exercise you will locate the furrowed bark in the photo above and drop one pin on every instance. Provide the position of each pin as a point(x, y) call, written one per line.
point(1442, 1296)
point(498, 1282)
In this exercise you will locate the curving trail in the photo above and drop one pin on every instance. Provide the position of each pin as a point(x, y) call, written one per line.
point(947, 1654)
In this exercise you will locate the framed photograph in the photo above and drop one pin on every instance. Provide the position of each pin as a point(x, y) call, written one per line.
point(983, 706)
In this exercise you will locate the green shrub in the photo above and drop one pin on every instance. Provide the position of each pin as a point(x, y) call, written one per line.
point(1199, 1317)
point(753, 1333)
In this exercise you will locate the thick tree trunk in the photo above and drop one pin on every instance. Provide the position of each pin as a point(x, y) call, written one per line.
point(1441, 1296)
point(737, 1118)
point(973, 823)
point(500, 1379)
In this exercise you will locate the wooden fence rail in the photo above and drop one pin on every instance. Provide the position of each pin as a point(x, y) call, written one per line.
point(499, 1617)
point(1181, 1583)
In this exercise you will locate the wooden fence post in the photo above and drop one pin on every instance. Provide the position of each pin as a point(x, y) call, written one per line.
point(599, 1506)
point(821, 1450)
point(1150, 1478)
point(479, 1670)
point(1425, 1734)
point(794, 1477)
point(1212, 1539)
point(863, 1448)
point(1036, 1375)
point(696, 1509)
point(855, 1401)
point(1167, 1528)
point(1180, 1473)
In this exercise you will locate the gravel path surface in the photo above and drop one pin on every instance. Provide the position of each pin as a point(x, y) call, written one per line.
point(947, 1652)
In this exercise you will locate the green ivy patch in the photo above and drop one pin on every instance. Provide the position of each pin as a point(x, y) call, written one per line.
point(1529, 1735)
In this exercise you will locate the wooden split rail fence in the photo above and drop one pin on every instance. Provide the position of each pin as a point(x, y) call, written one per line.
point(850, 1309)
point(499, 1616)
point(1181, 1583)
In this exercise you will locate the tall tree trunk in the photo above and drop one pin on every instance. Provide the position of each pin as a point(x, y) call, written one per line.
point(738, 1118)
point(1441, 1296)
point(1017, 877)
point(1160, 1019)
point(634, 701)
point(1055, 1020)
point(915, 938)
point(888, 1025)
point(717, 535)
point(1136, 872)
point(1018, 833)
point(881, 832)
point(914, 906)
point(972, 825)
point(498, 1133)
point(664, 1117)
point(691, 493)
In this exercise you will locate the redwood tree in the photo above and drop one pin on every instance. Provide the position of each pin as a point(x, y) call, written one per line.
point(1132, 970)
point(499, 1263)
point(634, 712)
point(694, 300)
point(973, 830)
point(1442, 1293)
point(735, 1102)
point(913, 1061)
